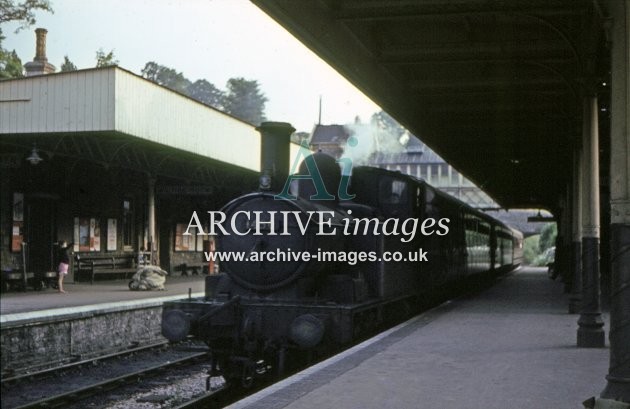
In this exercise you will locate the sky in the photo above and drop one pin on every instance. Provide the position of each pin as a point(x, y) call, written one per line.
point(211, 39)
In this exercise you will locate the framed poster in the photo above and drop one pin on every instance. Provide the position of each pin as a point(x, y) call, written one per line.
point(95, 235)
point(87, 234)
point(184, 242)
point(84, 234)
point(112, 243)
point(17, 237)
point(17, 227)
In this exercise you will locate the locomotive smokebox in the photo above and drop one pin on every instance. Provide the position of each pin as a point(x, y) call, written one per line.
point(274, 154)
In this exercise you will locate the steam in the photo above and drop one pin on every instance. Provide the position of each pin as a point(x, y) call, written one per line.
point(366, 140)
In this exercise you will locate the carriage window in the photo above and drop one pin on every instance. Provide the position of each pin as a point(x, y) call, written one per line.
point(392, 191)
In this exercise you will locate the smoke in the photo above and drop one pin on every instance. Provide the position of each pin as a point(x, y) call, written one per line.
point(366, 140)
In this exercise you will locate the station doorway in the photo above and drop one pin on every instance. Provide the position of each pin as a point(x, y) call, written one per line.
point(40, 224)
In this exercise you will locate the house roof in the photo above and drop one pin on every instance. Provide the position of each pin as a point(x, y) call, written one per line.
point(415, 152)
point(329, 134)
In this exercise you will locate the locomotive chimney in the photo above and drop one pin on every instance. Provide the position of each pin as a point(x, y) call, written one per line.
point(40, 64)
point(274, 154)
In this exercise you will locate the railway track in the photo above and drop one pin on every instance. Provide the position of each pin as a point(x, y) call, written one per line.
point(74, 386)
point(75, 395)
point(27, 373)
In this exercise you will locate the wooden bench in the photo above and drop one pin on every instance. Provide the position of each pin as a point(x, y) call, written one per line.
point(195, 268)
point(105, 264)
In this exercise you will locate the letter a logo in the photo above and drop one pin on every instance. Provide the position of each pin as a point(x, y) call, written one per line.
point(313, 174)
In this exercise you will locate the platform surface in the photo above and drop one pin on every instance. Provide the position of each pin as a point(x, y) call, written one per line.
point(85, 294)
point(511, 346)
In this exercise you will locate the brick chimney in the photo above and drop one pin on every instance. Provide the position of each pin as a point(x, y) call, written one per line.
point(40, 64)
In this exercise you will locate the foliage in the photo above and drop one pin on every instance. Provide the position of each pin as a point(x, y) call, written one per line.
point(166, 77)
point(547, 237)
point(530, 249)
point(300, 137)
point(10, 63)
point(385, 122)
point(544, 258)
point(105, 60)
point(245, 101)
point(23, 12)
point(205, 92)
point(388, 134)
point(67, 65)
point(539, 250)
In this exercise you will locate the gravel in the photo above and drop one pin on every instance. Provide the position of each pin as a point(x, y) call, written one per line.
point(29, 390)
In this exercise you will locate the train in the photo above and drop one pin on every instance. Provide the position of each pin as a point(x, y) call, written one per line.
point(372, 261)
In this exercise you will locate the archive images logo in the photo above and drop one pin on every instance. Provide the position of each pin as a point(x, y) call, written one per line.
point(315, 176)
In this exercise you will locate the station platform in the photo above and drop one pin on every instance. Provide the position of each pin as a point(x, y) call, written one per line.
point(86, 294)
point(47, 328)
point(511, 346)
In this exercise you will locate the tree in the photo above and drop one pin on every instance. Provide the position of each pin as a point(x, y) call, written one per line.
point(300, 137)
point(388, 133)
point(67, 65)
point(530, 249)
point(24, 12)
point(243, 98)
point(245, 101)
point(166, 77)
point(10, 65)
point(205, 92)
point(104, 60)
point(547, 237)
point(385, 122)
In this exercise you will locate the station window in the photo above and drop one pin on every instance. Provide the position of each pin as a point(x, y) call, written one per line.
point(426, 171)
point(443, 179)
point(187, 242)
point(454, 178)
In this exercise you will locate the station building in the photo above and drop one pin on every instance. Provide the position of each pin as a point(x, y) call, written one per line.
point(114, 164)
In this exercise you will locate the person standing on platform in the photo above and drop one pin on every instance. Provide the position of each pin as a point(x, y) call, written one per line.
point(64, 263)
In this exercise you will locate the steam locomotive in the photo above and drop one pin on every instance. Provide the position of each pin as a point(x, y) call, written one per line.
point(260, 314)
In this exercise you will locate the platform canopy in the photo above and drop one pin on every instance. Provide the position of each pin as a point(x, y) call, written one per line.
point(112, 117)
point(494, 87)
